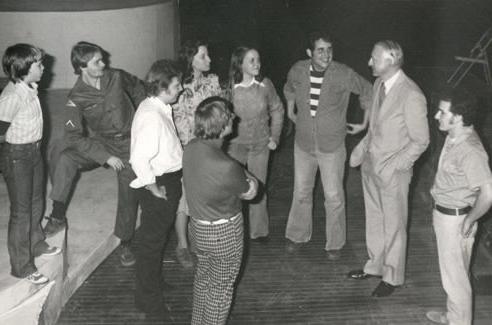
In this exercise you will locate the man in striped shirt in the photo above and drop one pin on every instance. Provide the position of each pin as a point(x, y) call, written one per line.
point(320, 88)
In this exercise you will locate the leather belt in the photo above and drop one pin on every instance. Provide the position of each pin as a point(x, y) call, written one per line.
point(36, 144)
point(117, 136)
point(216, 222)
point(453, 212)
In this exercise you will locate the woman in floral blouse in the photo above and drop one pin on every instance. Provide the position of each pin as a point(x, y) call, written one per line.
point(261, 115)
point(198, 84)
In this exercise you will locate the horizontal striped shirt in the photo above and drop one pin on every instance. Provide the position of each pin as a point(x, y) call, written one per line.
point(19, 105)
point(315, 79)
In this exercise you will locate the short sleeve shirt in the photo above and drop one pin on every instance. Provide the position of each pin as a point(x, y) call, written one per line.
point(463, 168)
point(19, 105)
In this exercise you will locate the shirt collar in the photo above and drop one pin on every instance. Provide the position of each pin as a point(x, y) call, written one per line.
point(311, 68)
point(391, 81)
point(252, 82)
point(217, 143)
point(30, 90)
point(467, 130)
point(159, 103)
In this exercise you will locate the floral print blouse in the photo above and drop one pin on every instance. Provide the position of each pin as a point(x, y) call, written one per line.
point(184, 109)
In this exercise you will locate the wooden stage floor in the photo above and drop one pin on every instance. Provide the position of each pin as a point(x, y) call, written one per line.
point(277, 288)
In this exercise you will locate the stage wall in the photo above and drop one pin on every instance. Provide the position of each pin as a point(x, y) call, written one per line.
point(135, 37)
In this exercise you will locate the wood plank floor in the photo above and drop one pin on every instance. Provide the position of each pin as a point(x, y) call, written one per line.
point(278, 288)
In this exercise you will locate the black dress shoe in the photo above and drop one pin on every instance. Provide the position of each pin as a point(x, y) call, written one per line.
point(361, 275)
point(383, 289)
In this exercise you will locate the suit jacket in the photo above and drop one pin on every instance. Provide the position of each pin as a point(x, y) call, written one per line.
point(398, 129)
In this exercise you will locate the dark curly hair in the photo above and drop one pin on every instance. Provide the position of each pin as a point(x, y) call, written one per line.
point(462, 102)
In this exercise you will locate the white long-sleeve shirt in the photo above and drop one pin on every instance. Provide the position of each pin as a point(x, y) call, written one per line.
point(155, 146)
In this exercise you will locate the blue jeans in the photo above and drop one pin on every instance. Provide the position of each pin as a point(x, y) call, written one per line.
point(300, 222)
point(22, 168)
point(255, 158)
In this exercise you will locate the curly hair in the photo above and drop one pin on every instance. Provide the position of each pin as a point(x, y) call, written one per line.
point(462, 102)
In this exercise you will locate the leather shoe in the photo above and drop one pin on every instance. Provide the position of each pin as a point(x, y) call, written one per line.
point(438, 317)
point(54, 226)
point(333, 254)
point(383, 289)
point(361, 275)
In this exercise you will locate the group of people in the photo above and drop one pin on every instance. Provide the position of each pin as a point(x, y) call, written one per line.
point(180, 153)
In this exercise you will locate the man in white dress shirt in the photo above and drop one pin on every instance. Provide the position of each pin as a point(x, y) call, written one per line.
point(155, 156)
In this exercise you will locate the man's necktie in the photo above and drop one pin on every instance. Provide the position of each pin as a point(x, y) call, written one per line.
point(382, 94)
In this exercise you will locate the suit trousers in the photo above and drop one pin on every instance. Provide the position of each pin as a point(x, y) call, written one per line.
point(300, 222)
point(219, 249)
point(386, 207)
point(157, 219)
point(255, 158)
point(22, 168)
point(454, 252)
point(67, 167)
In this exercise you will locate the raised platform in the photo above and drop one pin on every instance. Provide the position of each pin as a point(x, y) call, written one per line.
point(88, 241)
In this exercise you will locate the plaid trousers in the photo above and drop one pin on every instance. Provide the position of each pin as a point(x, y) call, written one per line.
point(219, 249)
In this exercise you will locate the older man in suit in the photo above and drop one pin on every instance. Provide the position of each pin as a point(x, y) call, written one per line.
point(398, 134)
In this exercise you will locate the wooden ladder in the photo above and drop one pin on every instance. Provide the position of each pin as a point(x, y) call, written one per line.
point(478, 55)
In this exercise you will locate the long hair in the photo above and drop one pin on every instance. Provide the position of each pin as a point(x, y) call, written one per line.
point(186, 55)
point(235, 69)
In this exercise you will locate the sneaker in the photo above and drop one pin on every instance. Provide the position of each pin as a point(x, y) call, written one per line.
point(54, 226)
point(127, 258)
point(184, 257)
point(437, 317)
point(48, 251)
point(36, 278)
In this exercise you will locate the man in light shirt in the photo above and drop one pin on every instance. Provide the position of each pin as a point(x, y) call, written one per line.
point(398, 134)
point(462, 193)
point(155, 156)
